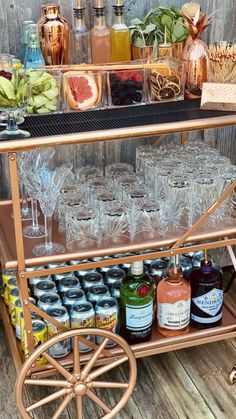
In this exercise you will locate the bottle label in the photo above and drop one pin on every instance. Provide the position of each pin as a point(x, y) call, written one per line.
point(206, 320)
point(139, 317)
point(211, 302)
point(174, 316)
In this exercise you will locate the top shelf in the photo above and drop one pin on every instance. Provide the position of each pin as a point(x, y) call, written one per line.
point(117, 123)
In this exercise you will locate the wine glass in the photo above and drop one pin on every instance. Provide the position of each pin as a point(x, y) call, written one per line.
point(14, 96)
point(49, 183)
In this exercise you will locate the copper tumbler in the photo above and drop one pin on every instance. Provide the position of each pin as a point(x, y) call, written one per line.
point(53, 35)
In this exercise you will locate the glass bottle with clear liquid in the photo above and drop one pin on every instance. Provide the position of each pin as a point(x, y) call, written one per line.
point(100, 36)
point(120, 37)
point(80, 37)
point(33, 55)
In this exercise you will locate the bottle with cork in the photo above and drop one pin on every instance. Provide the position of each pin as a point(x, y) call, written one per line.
point(120, 36)
point(80, 37)
point(173, 301)
point(100, 35)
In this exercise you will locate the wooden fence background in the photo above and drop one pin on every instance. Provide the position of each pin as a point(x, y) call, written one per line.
point(14, 12)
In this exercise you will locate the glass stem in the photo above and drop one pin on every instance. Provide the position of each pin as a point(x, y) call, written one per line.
point(48, 231)
point(25, 208)
point(36, 223)
point(11, 122)
point(33, 213)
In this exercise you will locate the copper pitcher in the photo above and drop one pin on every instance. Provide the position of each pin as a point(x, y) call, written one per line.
point(53, 35)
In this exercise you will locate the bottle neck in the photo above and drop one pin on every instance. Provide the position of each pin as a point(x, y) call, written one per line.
point(99, 18)
point(79, 19)
point(118, 17)
point(51, 12)
point(174, 268)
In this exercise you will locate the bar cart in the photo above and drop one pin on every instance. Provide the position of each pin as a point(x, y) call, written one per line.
point(77, 381)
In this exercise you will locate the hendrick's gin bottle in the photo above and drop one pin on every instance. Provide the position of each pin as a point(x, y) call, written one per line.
point(207, 296)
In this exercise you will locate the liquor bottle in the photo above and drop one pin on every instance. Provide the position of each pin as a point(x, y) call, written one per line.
point(53, 35)
point(136, 304)
point(120, 37)
point(33, 54)
point(100, 36)
point(173, 301)
point(207, 295)
point(80, 37)
point(25, 25)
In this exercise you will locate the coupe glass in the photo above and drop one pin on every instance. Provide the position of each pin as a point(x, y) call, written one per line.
point(14, 96)
point(49, 183)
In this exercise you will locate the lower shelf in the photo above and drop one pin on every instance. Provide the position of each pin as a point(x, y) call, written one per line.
point(158, 344)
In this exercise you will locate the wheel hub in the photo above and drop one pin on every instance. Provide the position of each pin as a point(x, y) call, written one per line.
point(80, 389)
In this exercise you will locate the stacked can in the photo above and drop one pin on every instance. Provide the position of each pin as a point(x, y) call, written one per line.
point(107, 318)
point(63, 347)
point(83, 316)
point(39, 331)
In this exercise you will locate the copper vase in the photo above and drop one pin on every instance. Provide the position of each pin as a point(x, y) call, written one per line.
point(196, 61)
point(142, 53)
point(53, 35)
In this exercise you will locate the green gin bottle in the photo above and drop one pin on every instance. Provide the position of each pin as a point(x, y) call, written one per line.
point(136, 303)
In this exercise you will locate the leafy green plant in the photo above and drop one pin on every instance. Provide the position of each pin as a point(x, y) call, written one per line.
point(171, 19)
point(144, 33)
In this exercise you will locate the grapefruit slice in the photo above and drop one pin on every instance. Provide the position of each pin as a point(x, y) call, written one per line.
point(80, 90)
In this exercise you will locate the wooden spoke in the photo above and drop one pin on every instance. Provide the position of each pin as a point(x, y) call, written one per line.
point(58, 366)
point(102, 370)
point(47, 399)
point(62, 406)
point(94, 358)
point(107, 384)
point(79, 407)
point(48, 383)
point(76, 355)
point(99, 402)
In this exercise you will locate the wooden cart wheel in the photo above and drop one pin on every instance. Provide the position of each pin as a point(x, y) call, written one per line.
point(81, 380)
point(232, 376)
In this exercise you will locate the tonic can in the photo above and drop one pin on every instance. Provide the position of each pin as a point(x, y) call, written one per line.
point(18, 312)
point(55, 265)
point(81, 273)
point(58, 277)
point(49, 300)
point(104, 269)
point(63, 347)
point(158, 269)
point(35, 268)
point(124, 265)
point(114, 275)
point(82, 315)
point(72, 297)
point(186, 265)
point(68, 284)
point(7, 274)
point(43, 287)
point(39, 331)
point(96, 292)
point(34, 316)
point(34, 281)
point(190, 254)
point(91, 279)
point(14, 295)
point(106, 317)
point(115, 290)
point(11, 284)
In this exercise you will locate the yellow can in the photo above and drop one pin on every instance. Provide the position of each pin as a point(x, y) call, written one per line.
point(39, 331)
point(6, 276)
point(18, 313)
point(14, 295)
point(34, 316)
point(11, 285)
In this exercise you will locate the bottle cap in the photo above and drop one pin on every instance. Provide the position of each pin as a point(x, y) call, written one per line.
point(119, 3)
point(137, 267)
point(80, 4)
point(206, 266)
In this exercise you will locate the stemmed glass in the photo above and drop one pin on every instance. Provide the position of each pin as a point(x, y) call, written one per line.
point(14, 96)
point(49, 183)
point(30, 163)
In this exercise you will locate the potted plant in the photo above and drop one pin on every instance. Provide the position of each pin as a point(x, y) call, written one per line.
point(172, 21)
point(145, 37)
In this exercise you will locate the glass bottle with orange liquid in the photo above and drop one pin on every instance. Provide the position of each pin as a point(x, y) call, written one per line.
point(120, 37)
point(100, 36)
point(173, 301)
